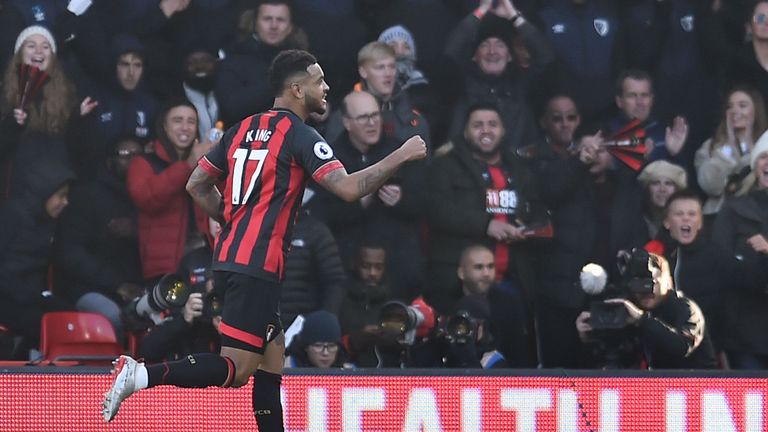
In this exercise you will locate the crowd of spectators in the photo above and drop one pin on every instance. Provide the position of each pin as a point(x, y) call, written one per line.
point(560, 133)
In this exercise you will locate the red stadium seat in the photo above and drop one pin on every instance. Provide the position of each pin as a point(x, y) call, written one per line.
point(81, 336)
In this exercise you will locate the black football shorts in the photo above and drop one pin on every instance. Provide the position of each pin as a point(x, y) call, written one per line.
point(250, 317)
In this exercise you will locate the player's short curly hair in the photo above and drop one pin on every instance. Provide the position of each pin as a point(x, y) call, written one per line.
point(286, 65)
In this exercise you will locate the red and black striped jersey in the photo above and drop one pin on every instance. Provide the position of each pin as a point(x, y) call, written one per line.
point(264, 162)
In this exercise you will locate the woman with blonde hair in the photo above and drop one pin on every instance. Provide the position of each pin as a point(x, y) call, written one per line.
point(722, 162)
point(37, 103)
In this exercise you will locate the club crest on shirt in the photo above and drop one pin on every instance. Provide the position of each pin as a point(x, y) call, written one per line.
point(602, 27)
point(322, 150)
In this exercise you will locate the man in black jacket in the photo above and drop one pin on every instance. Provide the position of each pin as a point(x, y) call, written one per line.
point(666, 330)
point(240, 85)
point(393, 213)
point(596, 211)
point(96, 249)
point(27, 225)
point(314, 273)
point(479, 194)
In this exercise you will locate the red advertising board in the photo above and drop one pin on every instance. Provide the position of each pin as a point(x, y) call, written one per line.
point(386, 403)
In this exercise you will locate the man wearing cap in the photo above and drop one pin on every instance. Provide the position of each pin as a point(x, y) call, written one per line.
point(499, 55)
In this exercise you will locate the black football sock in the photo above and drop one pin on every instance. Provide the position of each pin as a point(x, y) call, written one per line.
point(195, 370)
point(266, 401)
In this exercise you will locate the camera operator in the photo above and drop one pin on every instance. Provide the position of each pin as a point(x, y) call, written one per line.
point(367, 291)
point(464, 340)
point(659, 327)
point(501, 311)
point(191, 328)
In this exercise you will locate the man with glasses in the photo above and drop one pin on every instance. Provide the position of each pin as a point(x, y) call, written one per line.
point(393, 211)
point(559, 122)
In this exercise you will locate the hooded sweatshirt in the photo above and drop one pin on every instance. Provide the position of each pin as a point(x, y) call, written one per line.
point(26, 232)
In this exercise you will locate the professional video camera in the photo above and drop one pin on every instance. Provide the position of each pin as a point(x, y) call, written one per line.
point(635, 278)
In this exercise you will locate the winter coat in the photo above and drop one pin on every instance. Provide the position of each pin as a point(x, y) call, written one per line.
point(512, 92)
point(89, 255)
point(241, 85)
point(27, 231)
point(156, 184)
point(457, 215)
point(314, 273)
point(707, 273)
point(587, 42)
point(739, 219)
point(397, 227)
point(713, 167)
point(399, 119)
point(569, 192)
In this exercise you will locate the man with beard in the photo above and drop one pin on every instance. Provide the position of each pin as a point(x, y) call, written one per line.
point(367, 292)
point(479, 194)
point(502, 310)
point(199, 78)
point(263, 162)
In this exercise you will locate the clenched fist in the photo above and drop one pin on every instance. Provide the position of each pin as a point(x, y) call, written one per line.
point(414, 148)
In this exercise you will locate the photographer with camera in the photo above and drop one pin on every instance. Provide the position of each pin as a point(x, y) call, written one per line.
point(464, 339)
point(653, 327)
point(366, 293)
point(500, 313)
point(185, 309)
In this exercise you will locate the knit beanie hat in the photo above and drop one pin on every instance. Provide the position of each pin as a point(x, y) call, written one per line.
point(494, 26)
point(661, 168)
point(320, 326)
point(761, 146)
point(398, 32)
point(34, 30)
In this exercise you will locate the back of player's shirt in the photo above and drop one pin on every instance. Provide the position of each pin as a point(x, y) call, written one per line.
point(264, 161)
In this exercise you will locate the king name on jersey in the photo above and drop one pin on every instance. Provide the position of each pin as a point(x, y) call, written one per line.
point(257, 135)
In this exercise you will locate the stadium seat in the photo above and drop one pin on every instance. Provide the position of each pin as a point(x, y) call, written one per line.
point(85, 337)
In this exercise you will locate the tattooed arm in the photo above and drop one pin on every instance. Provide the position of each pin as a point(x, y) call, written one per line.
point(352, 187)
point(201, 187)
